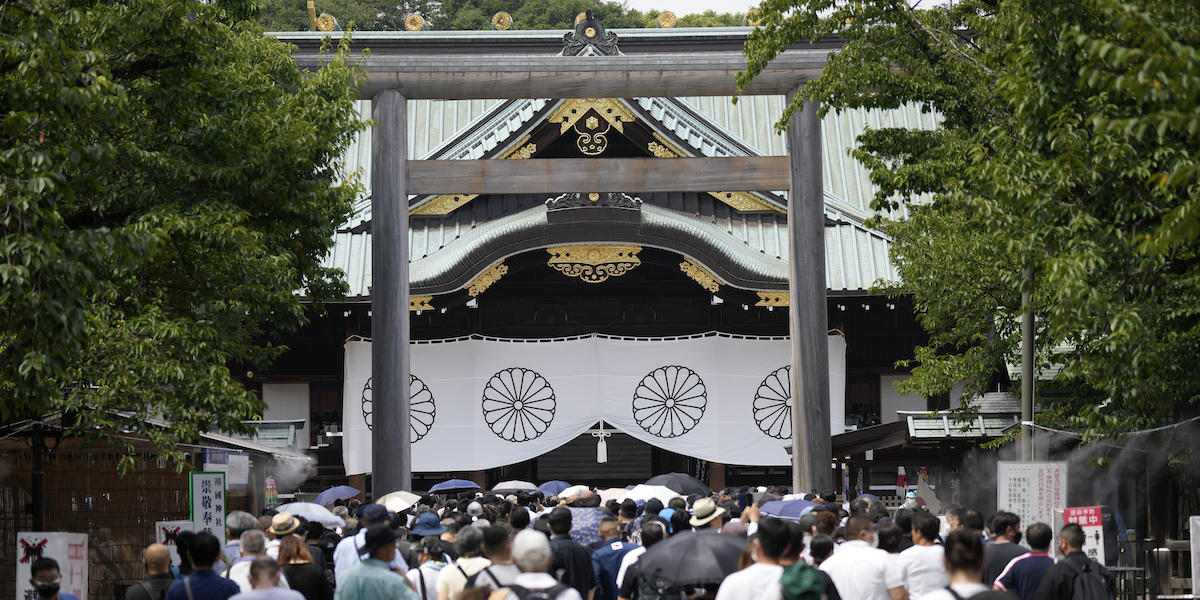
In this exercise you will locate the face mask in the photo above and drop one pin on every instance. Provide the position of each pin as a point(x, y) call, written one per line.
point(1017, 538)
point(48, 589)
point(807, 541)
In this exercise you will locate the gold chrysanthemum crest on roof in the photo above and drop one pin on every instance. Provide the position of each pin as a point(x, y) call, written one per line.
point(666, 20)
point(594, 263)
point(774, 299)
point(414, 22)
point(487, 278)
point(703, 276)
point(609, 109)
point(502, 21)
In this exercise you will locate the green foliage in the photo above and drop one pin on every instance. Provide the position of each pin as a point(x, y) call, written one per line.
point(1067, 144)
point(169, 180)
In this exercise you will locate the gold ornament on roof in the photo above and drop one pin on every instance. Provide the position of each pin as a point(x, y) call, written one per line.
point(703, 276)
point(667, 146)
point(752, 18)
point(594, 263)
point(745, 202)
point(487, 278)
point(525, 151)
point(502, 21)
point(420, 303)
point(590, 32)
point(326, 22)
point(443, 205)
point(667, 19)
point(580, 17)
point(660, 151)
point(414, 22)
point(774, 299)
point(594, 197)
point(609, 109)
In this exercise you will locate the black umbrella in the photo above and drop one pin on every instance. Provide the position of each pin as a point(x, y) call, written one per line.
point(693, 558)
point(682, 483)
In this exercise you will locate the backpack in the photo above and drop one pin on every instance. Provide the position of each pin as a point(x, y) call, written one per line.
point(473, 581)
point(549, 593)
point(656, 588)
point(150, 593)
point(1089, 584)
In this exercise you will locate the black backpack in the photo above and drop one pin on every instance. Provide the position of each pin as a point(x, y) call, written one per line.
point(1089, 584)
point(473, 581)
point(546, 594)
point(656, 588)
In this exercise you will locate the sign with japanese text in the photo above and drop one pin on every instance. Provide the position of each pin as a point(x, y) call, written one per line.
point(208, 503)
point(235, 465)
point(166, 532)
point(69, 549)
point(1031, 490)
point(1091, 519)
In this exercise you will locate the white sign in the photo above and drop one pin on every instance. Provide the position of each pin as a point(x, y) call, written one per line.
point(1031, 490)
point(69, 549)
point(1195, 527)
point(239, 471)
point(165, 533)
point(208, 503)
point(1091, 520)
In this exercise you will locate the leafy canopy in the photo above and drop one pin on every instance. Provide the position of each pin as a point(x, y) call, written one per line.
point(1067, 145)
point(170, 183)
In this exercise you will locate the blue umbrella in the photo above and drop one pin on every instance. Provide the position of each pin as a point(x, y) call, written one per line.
point(788, 510)
point(454, 485)
point(337, 492)
point(553, 488)
point(585, 524)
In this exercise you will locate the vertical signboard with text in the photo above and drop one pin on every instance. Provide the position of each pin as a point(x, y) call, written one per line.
point(1090, 518)
point(70, 550)
point(1031, 490)
point(208, 503)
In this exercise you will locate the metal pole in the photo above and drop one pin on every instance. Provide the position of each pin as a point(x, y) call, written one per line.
point(39, 481)
point(1028, 338)
point(391, 452)
point(812, 450)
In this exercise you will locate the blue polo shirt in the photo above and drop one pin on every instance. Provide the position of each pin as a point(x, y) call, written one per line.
point(606, 561)
point(1024, 573)
point(206, 585)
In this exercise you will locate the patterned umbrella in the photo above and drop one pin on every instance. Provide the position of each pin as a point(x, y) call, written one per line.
point(337, 492)
point(585, 524)
point(552, 488)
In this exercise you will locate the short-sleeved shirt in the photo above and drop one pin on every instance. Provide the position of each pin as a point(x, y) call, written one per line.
point(574, 562)
point(997, 556)
point(452, 579)
point(269, 594)
point(863, 572)
point(1024, 573)
point(923, 570)
point(206, 585)
point(752, 583)
point(606, 562)
point(372, 579)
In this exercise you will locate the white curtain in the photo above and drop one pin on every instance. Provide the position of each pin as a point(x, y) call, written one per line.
point(484, 403)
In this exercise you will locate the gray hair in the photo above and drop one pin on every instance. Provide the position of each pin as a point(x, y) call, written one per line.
point(253, 542)
point(468, 541)
point(239, 522)
point(531, 551)
point(341, 511)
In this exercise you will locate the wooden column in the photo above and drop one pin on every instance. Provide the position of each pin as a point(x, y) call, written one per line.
point(716, 476)
point(391, 454)
point(808, 320)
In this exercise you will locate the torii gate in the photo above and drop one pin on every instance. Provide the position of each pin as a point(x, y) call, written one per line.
point(509, 71)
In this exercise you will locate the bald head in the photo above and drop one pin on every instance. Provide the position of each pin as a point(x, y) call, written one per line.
point(157, 559)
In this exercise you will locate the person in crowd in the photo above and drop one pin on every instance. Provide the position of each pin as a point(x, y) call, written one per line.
point(453, 579)
point(652, 531)
point(497, 548)
point(972, 520)
point(964, 560)
point(449, 536)
point(157, 560)
point(889, 535)
point(264, 580)
point(997, 554)
point(254, 545)
point(1024, 573)
point(519, 518)
point(236, 523)
point(372, 577)
point(707, 515)
point(862, 571)
point(626, 514)
point(793, 566)
point(46, 579)
point(534, 557)
point(572, 562)
point(312, 532)
point(430, 560)
point(903, 518)
point(763, 576)
point(282, 525)
point(606, 560)
point(923, 567)
point(821, 548)
point(1059, 579)
point(347, 553)
point(634, 585)
point(303, 574)
point(203, 583)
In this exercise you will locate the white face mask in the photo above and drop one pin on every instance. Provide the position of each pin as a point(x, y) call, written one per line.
point(808, 541)
point(874, 541)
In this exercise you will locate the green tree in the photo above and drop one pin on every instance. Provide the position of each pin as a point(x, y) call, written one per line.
point(710, 18)
point(1066, 145)
point(169, 180)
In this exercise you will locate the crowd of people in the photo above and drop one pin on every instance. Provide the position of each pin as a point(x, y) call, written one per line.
point(521, 547)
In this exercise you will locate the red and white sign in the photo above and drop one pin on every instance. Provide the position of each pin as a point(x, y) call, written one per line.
point(1092, 522)
point(69, 549)
point(165, 533)
point(1031, 490)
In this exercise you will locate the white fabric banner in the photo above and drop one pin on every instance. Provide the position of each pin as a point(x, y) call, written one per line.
point(484, 403)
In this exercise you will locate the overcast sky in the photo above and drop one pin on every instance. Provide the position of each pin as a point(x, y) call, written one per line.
point(687, 7)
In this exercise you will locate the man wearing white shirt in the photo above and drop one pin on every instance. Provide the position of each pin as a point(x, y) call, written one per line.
point(859, 569)
point(345, 555)
point(923, 566)
point(761, 579)
point(531, 552)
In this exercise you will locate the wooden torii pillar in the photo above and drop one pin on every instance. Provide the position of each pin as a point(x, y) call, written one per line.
point(391, 80)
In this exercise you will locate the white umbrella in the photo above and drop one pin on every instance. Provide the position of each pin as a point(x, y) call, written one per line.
point(646, 492)
point(613, 494)
point(575, 490)
point(313, 512)
point(398, 501)
point(509, 487)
